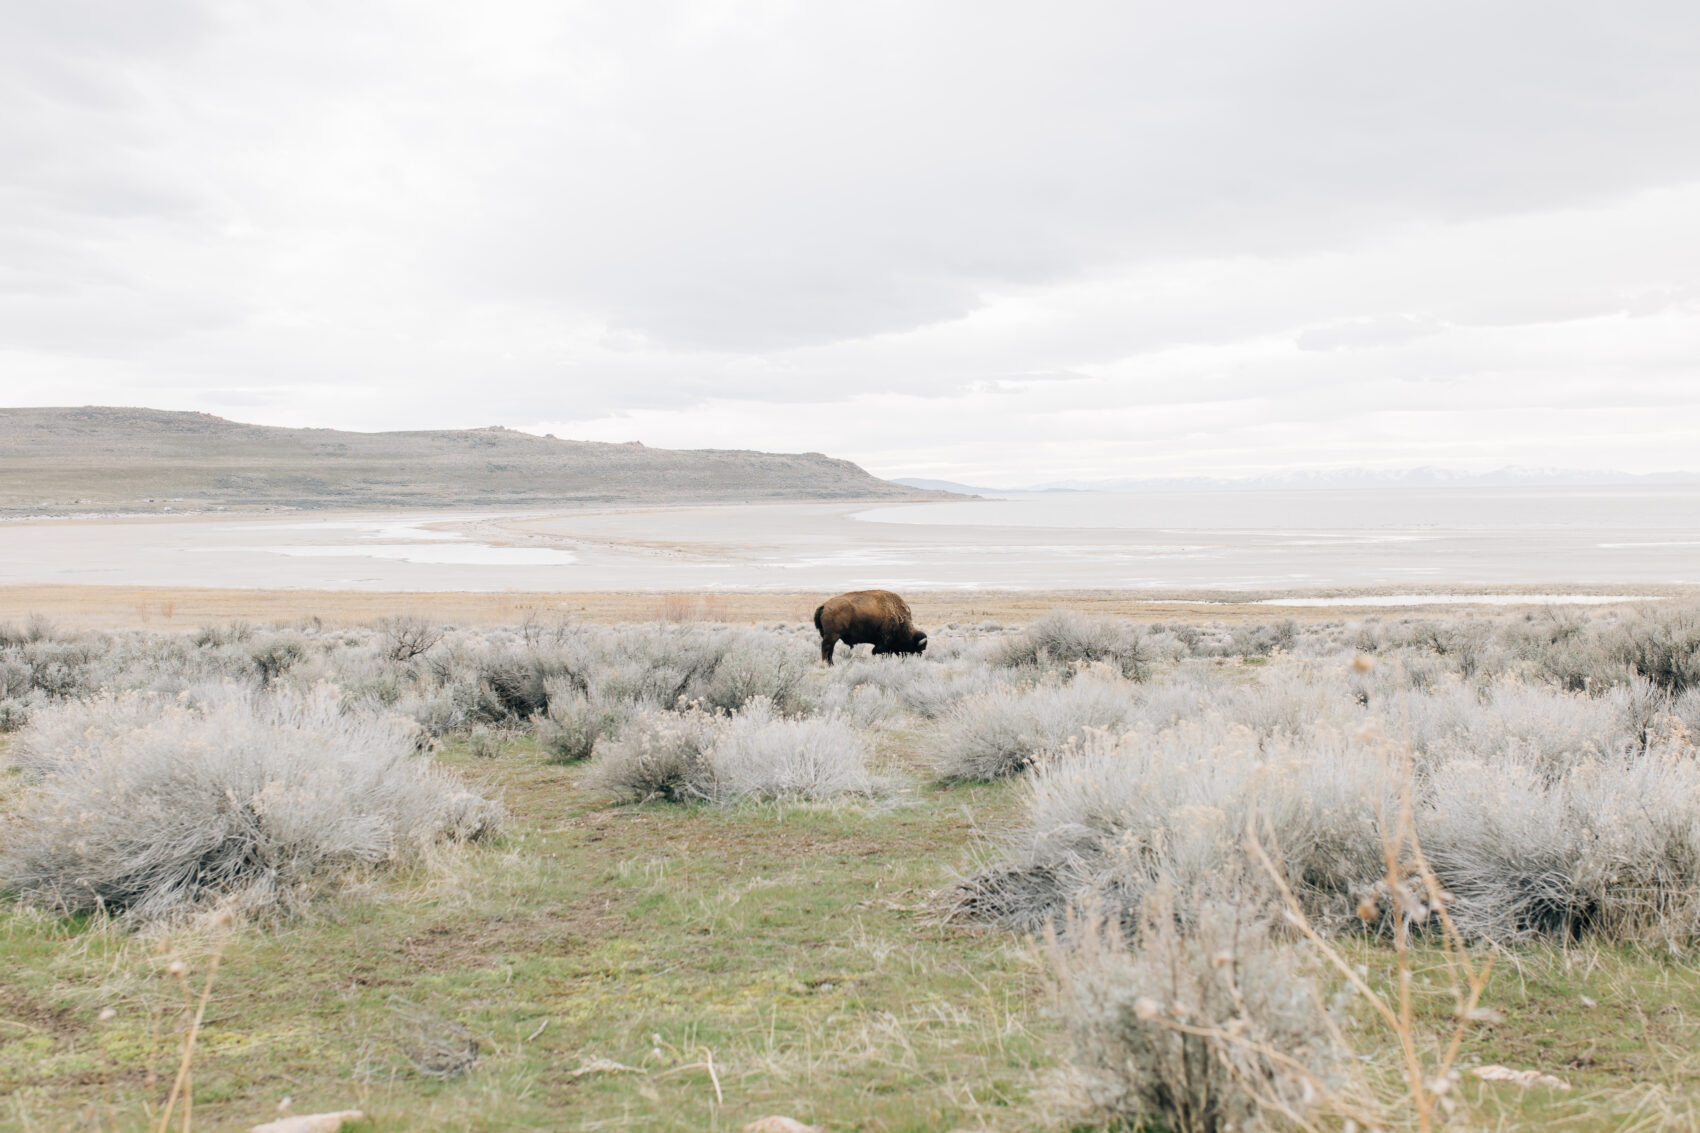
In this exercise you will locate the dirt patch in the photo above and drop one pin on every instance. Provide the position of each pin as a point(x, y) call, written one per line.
point(17, 1006)
point(484, 944)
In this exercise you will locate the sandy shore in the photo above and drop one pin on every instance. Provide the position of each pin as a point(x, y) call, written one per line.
point(185, 608)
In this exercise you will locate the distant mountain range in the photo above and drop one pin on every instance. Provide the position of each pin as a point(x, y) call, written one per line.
point(1345, 479)
point(922, 484)
point(101, 459)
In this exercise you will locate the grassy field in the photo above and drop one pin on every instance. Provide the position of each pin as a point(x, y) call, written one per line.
point(702, 965)
point(791, 945)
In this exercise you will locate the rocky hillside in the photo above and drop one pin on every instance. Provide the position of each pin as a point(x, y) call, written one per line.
point(107, 459)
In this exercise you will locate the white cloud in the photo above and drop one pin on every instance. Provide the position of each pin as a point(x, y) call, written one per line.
point(989, 240)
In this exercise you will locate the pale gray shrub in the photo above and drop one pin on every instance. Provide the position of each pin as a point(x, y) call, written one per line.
point(698, 755)
point(1185, 695)
point(1464, 644)
point(1262, 640)
point(1289, 700)
point(1164, 645)
point(933, 693)
point(484, 743)
point(39, 627)
point(72, 734)
point(14, 714)
point(367, 678)
point(438, 711)
point(1644, 711)
point(971, 648)
point(575, 722)
point(1577, 665)
point(663, 666)
point(998, 734)
point(1543, 725)
point(1368, 636)
point(757, 666)
point(154, 809)
point(1063, 637)
point(1531, 837)
point(1663, 646)
point(1686, 708)
point(58, 667)
point(275, 655)
point(406, 636)
point(15, 680)
point(659, 755)
point(510, 687)
point(1609, 846)
point(1237, 992)
point(761, 755)
point(231, 633)
point(866, 706)
point(924, 686)
point(1190, 638)
point(1105, 827)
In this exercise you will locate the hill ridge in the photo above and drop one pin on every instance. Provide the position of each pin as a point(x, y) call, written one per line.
point(103, 458)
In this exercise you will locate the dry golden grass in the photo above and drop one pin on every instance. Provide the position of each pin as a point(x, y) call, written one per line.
point(167, 608)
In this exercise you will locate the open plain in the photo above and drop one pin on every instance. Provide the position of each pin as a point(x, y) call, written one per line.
point(609, 848)
point(646, 864)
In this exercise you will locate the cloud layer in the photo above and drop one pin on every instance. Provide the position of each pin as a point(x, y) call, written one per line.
point(998, 242)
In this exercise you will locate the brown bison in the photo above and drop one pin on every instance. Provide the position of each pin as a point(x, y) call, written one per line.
point(875, 617)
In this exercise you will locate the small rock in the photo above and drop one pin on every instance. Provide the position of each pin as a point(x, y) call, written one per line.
point(311, 1122)
point(602, 1066)
point(1523, 1078)
point(778, 1124)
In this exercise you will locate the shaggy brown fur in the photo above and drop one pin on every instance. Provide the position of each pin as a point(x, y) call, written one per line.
point(874, 617)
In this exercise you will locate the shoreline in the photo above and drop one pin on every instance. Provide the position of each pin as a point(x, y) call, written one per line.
point(184, 608)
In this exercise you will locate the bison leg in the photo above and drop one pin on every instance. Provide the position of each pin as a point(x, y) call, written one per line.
point(827, 642)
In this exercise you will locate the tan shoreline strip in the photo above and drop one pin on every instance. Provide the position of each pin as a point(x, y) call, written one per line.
point(184, 608)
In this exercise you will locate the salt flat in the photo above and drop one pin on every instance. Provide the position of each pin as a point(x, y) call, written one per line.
point(1263, 543)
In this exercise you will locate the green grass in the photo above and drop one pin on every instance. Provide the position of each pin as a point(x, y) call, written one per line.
point(792, 945)
point(1618, 1024)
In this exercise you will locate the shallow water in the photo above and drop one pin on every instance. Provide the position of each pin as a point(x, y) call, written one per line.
point(1481, 543)
point(458, 554)
point(1459, 600)
point(1343, 516)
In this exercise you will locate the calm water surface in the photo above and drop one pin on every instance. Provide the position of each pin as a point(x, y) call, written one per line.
point(1358, 513)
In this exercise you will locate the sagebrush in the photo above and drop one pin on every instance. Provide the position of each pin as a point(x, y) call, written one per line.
point(154, 808)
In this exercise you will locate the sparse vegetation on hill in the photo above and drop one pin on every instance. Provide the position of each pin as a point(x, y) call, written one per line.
point(716, 845)
point(103, 459)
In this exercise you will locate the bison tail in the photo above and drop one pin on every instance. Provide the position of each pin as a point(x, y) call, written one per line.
point(818, 609)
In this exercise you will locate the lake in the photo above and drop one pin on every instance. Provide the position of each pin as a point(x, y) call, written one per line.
point(1477, 541)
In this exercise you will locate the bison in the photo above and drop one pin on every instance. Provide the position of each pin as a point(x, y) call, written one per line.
point(875, 617)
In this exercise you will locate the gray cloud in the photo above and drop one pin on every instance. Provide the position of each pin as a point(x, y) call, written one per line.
point(1358, 334)
point(773, 184)
point(387, 214)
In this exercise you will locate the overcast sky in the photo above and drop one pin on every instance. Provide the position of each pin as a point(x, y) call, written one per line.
point(995, 242)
